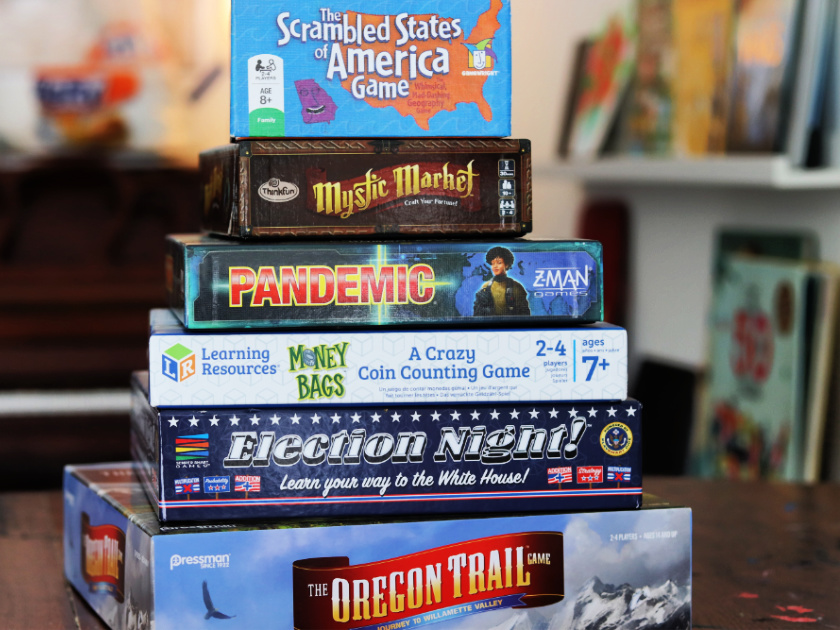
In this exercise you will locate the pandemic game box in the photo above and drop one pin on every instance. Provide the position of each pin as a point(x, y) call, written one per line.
point(626, 568)
point(309, 367)
point(363, 68)
point(355, 187)
point(239, 462)
point(222, 283)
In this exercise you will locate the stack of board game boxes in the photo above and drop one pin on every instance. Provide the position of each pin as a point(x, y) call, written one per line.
point(370, 405)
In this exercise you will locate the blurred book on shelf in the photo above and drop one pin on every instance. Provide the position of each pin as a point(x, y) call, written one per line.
point(765, 58)
point(721, 77)
point(771, 348)
point(573, 90)
point(702, 38)
point(646, 127)
point(791, 245)
point(607, 68)
point(807, 106)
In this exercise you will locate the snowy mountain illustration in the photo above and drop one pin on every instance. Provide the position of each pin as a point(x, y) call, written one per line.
point(602, 606)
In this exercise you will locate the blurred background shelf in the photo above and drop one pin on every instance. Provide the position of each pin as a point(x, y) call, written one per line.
point(773, 171)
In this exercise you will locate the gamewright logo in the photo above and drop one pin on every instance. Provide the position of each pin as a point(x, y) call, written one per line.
point(481, 55)
point(178, 363)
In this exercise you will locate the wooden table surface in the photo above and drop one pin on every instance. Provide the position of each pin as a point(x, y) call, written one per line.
point(766, 556)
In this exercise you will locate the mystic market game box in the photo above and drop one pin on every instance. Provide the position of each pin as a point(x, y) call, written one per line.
point(308, 367)
point(626, 568)
point(370, 68)
point(239, 462)
point(222, 283)
point(354, 187)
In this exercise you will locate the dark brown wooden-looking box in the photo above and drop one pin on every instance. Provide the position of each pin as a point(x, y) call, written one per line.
point(418, 187)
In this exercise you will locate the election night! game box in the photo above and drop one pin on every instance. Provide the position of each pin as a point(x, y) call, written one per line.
point(362, 68)
point(240, 462)
point(222, 283)
point(355, 187)
point(628, 568)
point(308, 367)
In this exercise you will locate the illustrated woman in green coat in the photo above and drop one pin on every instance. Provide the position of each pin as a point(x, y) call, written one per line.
point(502, 295)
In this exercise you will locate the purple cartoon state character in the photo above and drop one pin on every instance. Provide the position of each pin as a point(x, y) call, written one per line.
point(318, 106)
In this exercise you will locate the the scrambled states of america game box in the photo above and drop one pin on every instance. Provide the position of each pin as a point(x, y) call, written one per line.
point(626, 568)
point(210, 369)
point(223, 283)
point(240, 462)
point(356, 187)
point(361, 68)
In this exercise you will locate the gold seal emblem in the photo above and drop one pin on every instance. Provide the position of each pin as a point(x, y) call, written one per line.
point(616, 439)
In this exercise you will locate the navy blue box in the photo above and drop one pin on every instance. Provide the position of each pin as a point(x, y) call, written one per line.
point(306, 461)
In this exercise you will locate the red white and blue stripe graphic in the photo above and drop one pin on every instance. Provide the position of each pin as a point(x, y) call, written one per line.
point(560, 475)
point(185, 486)
point(246, 483)
point(619, 473)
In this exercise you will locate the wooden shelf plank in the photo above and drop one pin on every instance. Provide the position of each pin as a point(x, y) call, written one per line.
point(763, 171)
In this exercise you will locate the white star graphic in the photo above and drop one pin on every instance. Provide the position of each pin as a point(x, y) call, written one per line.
point(435, 416)
point(255, 419)
point(395, 417)
point(494, 415)
point(572, 412)
point(611, 412)
point(455, 415)
point(214, 421)
point(275, 419)
point(316, 419)
point(193, 421)
point(356, 417)
point(553, 413)
point(415, 417)
point(295, 419)
point(173, 421)
point(234, 421)
point(335, 418)
point(534, 414)
point(631, 411)
point(592, 412)
point(514, 415)
point(375, 417)
point(475, 415)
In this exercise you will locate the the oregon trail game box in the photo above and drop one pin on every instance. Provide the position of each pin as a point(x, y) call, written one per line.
point(626, 568)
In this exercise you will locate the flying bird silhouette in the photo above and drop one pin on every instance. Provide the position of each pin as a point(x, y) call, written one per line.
point(211, 609)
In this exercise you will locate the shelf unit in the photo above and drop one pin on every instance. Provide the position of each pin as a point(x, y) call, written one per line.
point(676, 207)
point(748, 171)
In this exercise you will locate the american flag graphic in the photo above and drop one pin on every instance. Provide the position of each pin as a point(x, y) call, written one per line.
point(560, 475)
point(246, 483)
